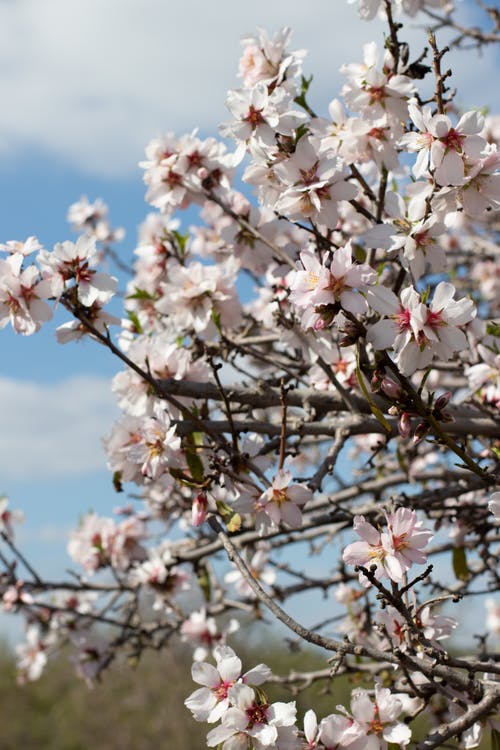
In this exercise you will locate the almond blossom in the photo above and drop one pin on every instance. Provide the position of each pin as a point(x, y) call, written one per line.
point(441, 147)
point(377, 719)
point(74, 262)
point(266, 60)
point(22, 295)
point(312, 184)
point(203, 633)
point(322, 288)
point(376, 93)
point(260, 570)
point(31, 656)
point(282, 501)
point(193, 294)
point(211, 702)
point(9, 517)
point(259, 115)
point(418, 331)
point(393, 551)
point(252, 722)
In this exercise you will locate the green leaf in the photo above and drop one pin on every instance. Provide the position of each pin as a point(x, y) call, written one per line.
point(460, 564)
point(231, 519)
point(223, 509)
point(493, 329)
point(181, 240)
point(179, 475)
point(359, 253)
point(140, 294)
point(117, 481)
point(134, 319)
point(204, 582)
point(301, 130)
point(495, 739)
point(195, 465)
point(234, 524)
point(216, 319)
point(301, 98)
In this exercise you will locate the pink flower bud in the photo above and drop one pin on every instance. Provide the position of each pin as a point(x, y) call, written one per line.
point(421, 431)
point(199, 509)
point(404, 424)
point(442, 401)
point(391, 388)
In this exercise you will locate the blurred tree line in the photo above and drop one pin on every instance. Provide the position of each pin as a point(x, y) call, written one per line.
point(141, 706)
point(137, 707)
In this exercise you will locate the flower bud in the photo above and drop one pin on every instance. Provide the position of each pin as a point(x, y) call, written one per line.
point(421, 431)
point(199, 509)
point(404, 424)
point(391, 388)
point(442, 401)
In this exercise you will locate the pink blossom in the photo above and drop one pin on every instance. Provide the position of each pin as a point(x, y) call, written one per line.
point(394, 551)
point(202, 632)
point(211, 702)
point(377, 719)
point(283, 500)
point(335, 281)
point(405, 539)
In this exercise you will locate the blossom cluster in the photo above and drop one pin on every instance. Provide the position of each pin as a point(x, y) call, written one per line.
point(354, 392)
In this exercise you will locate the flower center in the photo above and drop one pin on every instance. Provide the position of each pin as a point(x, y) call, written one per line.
point(257, 714)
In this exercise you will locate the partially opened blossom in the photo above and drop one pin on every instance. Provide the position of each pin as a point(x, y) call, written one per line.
point(337, 730)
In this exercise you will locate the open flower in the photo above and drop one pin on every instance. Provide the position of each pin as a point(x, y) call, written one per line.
point(282, 501)
point(210, 702)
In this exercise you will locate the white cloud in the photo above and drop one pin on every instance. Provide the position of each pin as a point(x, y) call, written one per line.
point(54, 430)
point(90, 82)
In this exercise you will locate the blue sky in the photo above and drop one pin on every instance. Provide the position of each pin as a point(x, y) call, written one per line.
point(85, 85)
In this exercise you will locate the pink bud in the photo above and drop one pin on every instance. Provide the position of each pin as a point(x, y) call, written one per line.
point(442, 401)
point(421, 431)
point(391, 388)
point(199, 509)
point(404, 425)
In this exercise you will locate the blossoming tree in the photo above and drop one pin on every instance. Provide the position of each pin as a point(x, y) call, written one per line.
point(348, 409)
